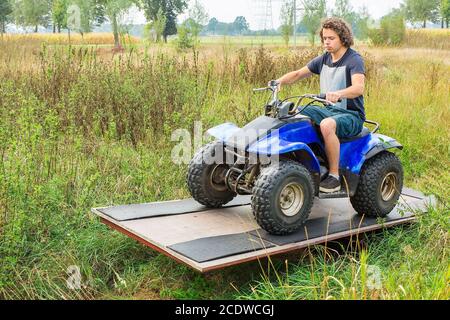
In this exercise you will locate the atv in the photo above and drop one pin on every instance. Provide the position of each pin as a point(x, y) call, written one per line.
point(279, 158)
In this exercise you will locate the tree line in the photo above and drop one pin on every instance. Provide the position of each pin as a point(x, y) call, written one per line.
point(162, 17)
point(83, 15)
point(390, 29)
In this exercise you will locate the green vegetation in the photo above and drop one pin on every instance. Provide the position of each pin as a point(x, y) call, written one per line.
point(315, 11)
point(392, 30)
point(78, 130)
point(81, 16)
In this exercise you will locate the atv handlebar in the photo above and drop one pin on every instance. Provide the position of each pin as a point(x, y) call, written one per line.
point(275, 85)
point(279, 108)
point(321, 98)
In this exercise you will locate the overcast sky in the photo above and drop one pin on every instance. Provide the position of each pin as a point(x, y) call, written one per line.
point(228, 10)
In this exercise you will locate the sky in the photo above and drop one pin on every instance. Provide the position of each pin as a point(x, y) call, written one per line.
point(228, 10)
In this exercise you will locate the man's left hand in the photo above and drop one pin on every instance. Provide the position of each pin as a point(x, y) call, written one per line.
point(333, 96)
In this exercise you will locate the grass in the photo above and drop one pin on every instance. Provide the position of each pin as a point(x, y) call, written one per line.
point(81, 130)
point(74, 39)
point(428, 38)
point(411, 267)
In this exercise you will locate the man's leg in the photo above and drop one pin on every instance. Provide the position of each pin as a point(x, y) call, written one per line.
point(332, 148)
point(332, 144)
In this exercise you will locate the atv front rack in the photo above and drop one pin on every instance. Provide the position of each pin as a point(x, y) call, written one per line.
point(240, 184)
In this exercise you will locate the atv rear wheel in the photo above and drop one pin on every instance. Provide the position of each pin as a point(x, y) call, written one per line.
point(380, 185)
point(282, 197)
point(206, 176)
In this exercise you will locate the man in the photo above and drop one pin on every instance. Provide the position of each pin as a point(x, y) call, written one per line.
point(342, 77)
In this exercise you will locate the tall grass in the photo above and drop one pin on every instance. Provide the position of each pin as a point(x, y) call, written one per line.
point(79, 131)
point(412, 262)
point(74, 38)
point(428, 38)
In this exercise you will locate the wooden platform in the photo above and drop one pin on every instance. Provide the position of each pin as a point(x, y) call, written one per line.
point(209, 239)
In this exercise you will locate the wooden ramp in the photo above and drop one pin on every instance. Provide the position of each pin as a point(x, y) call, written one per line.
point(208, 239)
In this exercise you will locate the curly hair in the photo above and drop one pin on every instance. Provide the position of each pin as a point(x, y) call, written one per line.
point(341, 27)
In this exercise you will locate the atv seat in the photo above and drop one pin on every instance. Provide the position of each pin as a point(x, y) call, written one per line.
point(365, 131)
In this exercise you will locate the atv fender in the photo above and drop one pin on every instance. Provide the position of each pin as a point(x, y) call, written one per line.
point(384, 143)
point(355, 153)
point(273, 145)
point(223, 132)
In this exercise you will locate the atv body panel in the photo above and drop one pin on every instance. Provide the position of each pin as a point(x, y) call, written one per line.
point(271, 136)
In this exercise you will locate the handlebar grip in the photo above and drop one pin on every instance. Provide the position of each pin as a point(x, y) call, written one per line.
point(274, 83)
point(324, 97)
point(260, 89)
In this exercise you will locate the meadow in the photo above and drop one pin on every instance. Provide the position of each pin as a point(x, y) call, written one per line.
point(82, 127)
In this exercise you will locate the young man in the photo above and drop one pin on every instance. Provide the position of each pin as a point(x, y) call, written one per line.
point(342, 76)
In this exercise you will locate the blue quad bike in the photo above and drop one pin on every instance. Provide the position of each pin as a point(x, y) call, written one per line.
point(280, 159)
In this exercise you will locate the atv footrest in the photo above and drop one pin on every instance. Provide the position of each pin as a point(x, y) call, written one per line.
point(338, 194)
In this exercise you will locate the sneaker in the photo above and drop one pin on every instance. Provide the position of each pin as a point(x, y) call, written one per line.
point(330, 184)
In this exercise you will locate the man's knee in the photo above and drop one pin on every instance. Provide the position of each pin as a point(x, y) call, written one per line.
point(328, 127)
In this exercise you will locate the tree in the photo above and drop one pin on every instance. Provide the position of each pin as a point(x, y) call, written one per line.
point(393, 26)
point(361, 28)
point(170, 8)
point(224, 28)
point(197, 18)
point(59, 14)
point(444, 12)
point(287, 21)
point(185, 39)
point(392, 29)
point(87, 15)
point(212, 25)
point(158, 25)
point(422, 11)
point(78, 15)
point(315, 11)
point(5, 14)
point(240, 25)
point(32, 13)
point(344, 10)
point(114, 10)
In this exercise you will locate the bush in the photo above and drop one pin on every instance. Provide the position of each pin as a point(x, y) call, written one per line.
point(391, 32)
point(185, 38)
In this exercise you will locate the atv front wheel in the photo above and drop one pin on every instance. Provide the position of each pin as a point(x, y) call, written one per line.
point(380, 185)
point(206, 176)
point(282, 197)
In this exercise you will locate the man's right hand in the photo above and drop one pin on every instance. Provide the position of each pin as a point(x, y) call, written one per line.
point(279, 84)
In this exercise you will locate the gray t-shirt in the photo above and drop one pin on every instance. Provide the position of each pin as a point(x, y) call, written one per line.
point(338, 76)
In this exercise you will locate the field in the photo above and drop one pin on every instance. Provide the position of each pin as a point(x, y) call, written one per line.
point(81, 127)
point(65, 39)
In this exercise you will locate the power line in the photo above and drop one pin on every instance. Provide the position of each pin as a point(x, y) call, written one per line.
point(264, 13)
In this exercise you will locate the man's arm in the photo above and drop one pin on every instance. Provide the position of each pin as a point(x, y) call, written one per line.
point(354, 91)
point(294, 76)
